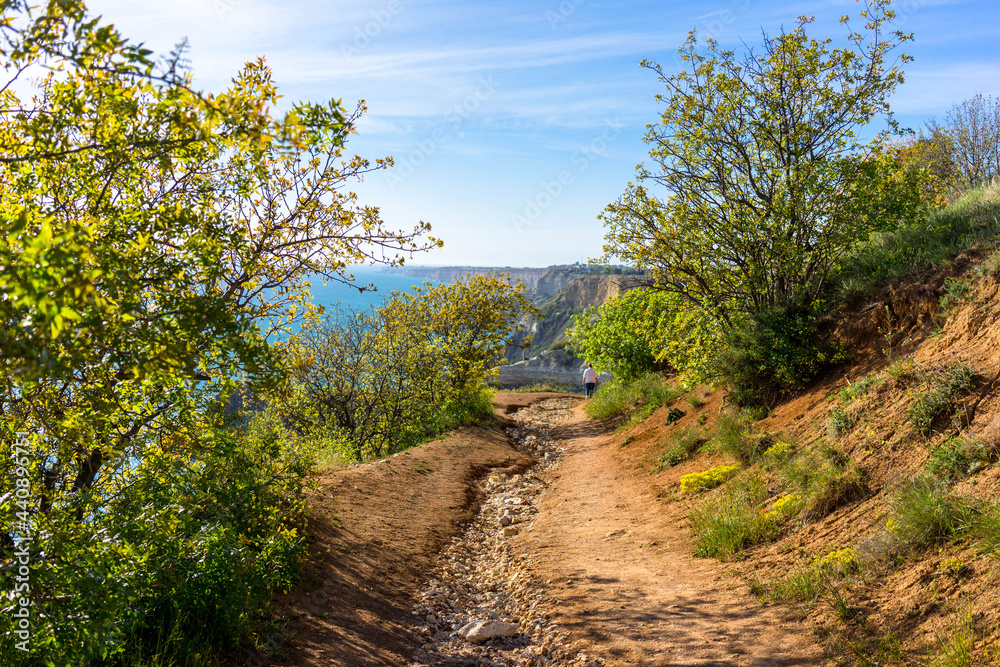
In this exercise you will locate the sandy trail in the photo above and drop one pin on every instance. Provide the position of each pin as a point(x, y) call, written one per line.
point(620, 567)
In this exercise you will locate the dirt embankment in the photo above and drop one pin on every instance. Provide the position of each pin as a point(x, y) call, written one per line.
point(376, 531)
point(906, 604)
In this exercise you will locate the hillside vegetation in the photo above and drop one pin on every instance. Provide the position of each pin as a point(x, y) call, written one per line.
point(866, 501)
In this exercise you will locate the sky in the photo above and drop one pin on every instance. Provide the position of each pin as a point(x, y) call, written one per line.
point(514, 123)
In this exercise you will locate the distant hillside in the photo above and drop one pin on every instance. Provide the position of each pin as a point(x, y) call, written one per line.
point(449, 274)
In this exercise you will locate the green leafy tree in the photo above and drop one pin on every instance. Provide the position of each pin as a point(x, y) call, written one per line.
point(152, 236)
point(373, 384)
point(615, 335)
point(644, 329)
point(765, 179)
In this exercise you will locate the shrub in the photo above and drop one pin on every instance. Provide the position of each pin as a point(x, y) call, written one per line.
point(727, 524)
point(940, 387)
point(734, 438)
point(825, 480)
point(786, 505)
point(958, 457)
point(924, 511)
point(774, 354)
point(860, 387)
point(684, 445)
point(709, 479)
point(779, 452)
point(840, 422)
point(841, 561)
point(833, 487)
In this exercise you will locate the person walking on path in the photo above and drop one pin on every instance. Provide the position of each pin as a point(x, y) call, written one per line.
point(590, 380)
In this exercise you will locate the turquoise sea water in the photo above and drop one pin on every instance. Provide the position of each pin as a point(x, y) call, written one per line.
point(335, 294)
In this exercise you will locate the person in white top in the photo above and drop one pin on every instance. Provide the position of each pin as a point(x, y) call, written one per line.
point(590, 380)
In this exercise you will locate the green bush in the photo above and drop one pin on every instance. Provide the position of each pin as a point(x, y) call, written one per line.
point(771, 356)
point(958, 457)
point(228, 536)
point(734, 438)
point(825, 480)
point(939, 389)
point(683, 446)
point(840, 422)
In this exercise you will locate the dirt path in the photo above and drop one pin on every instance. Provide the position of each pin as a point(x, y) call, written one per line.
point(620, 568)
point(573, 558)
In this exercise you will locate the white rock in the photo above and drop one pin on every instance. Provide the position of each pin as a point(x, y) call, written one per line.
point(478, 632)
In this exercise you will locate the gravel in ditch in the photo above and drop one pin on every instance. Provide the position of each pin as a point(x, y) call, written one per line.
point(482, 607)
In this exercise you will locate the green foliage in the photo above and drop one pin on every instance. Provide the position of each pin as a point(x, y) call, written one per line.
point(824, 479)
point(729, 522)
point(955, 290)
point(840, 421)
point(151, 237)
point(636, 398)
point(957, 647)
point(542, 386)
point(958, 457)
point(920, 246)
point(614, 336)
point(860, 387)
point(772, 355)
point(939, 387)
point(733, 437)
point(924, 511)
point(370, 385)
point(634, 332)
point(751, 231)
point(682, 446)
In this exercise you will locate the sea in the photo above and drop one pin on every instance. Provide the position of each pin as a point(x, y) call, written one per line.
point(335, 294)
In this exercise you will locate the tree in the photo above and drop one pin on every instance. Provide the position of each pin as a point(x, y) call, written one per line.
point(374, 384)
point(967, 144)
point(153, 236)
point(765, 179)
point(643, 330)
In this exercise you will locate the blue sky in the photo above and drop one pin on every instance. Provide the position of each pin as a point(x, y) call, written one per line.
point(513, 124)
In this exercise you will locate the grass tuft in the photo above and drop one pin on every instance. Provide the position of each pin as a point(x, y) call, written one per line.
point(637, 398)
point(729, 522)
point(925, 511)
